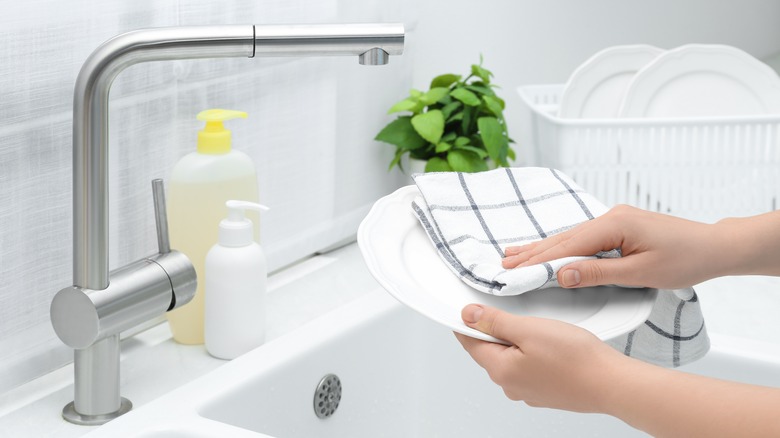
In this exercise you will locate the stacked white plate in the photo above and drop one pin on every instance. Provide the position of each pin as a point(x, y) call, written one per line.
point(694, 80)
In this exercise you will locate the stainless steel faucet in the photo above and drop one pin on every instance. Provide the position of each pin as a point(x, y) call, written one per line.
point(89, 315)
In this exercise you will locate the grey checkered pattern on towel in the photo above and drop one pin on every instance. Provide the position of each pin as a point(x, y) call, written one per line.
point(471, 218)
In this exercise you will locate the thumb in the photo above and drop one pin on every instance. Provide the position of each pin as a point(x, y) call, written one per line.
point(593, 273)
point(491, 321)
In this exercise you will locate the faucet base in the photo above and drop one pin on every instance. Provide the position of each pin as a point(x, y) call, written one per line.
point(69, 414)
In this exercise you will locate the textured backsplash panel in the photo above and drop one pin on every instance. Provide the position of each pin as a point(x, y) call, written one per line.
point(300, 113)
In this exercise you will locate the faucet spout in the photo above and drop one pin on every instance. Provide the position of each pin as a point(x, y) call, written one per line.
point(375, 56)
point(103, 309)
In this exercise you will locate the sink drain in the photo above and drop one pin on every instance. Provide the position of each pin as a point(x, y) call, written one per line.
point(327, 396)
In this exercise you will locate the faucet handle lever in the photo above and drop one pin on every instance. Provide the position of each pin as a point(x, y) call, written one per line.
point(160, 216)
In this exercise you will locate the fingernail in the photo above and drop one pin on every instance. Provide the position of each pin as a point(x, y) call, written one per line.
point(571, 277)
point(472, 314)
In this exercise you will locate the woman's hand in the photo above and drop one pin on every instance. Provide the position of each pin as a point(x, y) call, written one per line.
point(557, 365)
point(549, 364)
point(658, 251)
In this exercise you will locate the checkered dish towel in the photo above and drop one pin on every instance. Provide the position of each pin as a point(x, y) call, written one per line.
point(472, 218)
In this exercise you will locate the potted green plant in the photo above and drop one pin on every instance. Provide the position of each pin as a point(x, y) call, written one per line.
point(457, 125)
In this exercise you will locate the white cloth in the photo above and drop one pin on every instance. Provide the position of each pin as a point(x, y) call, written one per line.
point(472, 218)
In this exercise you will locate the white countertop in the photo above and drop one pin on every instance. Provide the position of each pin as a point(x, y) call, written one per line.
point(152, 364)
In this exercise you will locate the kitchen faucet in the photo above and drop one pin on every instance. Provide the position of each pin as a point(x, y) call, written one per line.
point(89, 315)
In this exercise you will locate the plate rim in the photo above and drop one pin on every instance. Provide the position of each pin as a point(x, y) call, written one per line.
point(636, 98)
point(596, 70)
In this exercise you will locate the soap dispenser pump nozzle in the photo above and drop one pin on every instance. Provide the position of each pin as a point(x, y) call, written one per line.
point(236, 229)
point(214, 138)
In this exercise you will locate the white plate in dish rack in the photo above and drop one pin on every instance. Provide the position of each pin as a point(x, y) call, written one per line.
point(595, 89)
point(402, 259)
point(700, 80)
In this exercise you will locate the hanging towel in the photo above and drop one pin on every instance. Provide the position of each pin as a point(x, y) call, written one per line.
point(471, 218)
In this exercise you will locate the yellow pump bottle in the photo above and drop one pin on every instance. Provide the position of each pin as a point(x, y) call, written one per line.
point(200, 184)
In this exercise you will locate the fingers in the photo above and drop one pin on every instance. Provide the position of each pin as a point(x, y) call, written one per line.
point(490, 355)
point(500, 361)
point(515, 250)
point(515, 255)
point(571, 277)
point(497, 323)
point(598, 273)
point(586, 239)
point(484, 353)
point(581, 274)
point(512, 250)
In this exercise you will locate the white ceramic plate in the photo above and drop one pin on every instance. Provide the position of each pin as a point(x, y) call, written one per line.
point(595, 89)
point(403, 260)
point(699, 80)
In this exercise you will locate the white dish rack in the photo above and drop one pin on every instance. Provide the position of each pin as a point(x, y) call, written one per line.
point(702, 169)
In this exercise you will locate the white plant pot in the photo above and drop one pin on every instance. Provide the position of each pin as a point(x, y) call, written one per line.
point(416, 166)
point(412, 166)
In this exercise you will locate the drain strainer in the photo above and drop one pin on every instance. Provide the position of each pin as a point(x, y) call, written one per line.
point(327, 396)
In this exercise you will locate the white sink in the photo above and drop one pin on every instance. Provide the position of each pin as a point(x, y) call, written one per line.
point(401, 375)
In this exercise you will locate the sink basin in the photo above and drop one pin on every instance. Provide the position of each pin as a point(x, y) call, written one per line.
point(401, 375)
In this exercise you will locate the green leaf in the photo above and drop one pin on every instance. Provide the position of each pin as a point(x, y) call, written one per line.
point(448, 109)
point(482, 73)
point(444, 80)
point(397, 159)
point(468, 120)
point(401, 133)
point(462, 141)
point(434, 95)
point(449, 137)
point(511, 154)
point(481, 152)
point(425, 152)
point(465, 96)
point(494, 105)
point(455, 117)
point(429, 125)
point(465, 161)
point(415, 93)
point(421, 154)
point(437, 164)
point(443, 147)
point(493, 138)
point(487, 91)
point(404, 105)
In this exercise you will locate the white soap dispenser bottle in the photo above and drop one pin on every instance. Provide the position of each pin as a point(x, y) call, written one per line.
point(235, 289)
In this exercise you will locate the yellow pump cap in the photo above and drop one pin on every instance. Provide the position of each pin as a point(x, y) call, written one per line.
point(214, 138)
